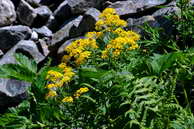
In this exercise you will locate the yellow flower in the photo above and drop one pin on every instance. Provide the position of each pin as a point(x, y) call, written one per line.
point(80, 91)
point(62, 65)
point(118, 44)
point(109, 11)
point(51, 86)
point(65, 58)
point(82, 57)
point(54, 75)
point(104, 54)
point(51, 93)
point(66, 79)
point(68, 99)
point(79, 48)
point(109, 20)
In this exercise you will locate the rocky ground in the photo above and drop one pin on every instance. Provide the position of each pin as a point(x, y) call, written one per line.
point(42, 28)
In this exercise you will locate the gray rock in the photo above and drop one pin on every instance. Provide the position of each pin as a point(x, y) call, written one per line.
point(89, 20)
point(7, 12)
point(52, 4)
point(1, 53)
point(34, 3)
point(63, 12)
point(43, 14)
point(25, 46)
point(127, 8)
point(67, 31)
point(81, 6)
point(34, 36)
point(43, 31)
point(133, 24)
point(164, 22)
point(14, 90)
point(11, 35)
point(52, 24)
point(44, 47)
point(26, 13)
point(166, 11)
point(43, 11)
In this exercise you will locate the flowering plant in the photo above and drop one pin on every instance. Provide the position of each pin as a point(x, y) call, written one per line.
point(106, 81)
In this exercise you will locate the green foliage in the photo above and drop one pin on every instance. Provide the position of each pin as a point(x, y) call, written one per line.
point(25, 69)
point(185, 22)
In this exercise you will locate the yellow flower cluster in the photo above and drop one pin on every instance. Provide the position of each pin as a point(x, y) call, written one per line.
point(51, 93)
point(68, 99)
point(118, 44)
point(57, 79)
point(78, 50)
point(109, 20)
point(130, 34)
point(94, 35)
point(77, 94)
point(80, 92)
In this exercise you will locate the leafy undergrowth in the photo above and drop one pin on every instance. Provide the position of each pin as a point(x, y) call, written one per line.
point(112, 79)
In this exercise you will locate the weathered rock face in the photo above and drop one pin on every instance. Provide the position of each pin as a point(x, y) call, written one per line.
point(34, 3)
point(11, 35)
point(26, 13)
point(63, 12)
point(127, 8)
point(89, 20)
point(14, 90)
point(7, 12)
point(43, 31)
point(166, 11)
point(133, 24)
point(25, 46)
point(81, 6)
point(68, 31)
point(43, 14)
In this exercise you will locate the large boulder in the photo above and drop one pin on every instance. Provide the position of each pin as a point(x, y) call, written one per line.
point(131, 7)
point(169, 10)
point(63, 12)
point(13, 91)
point(43, 31)
point(69, 30)
point(7, 12)
point(26, 13)
point(52, 24)
point(81, 6)
point(34, 3)
point(43, 15)
point(11, 35)
point(135, 23)
point(52, 4)
point(160, 16)
point(33, 16)
point(89, 20)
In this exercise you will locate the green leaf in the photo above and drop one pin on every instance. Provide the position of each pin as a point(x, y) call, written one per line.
point(16, 71)
point(26, 62)
point(89, 98)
